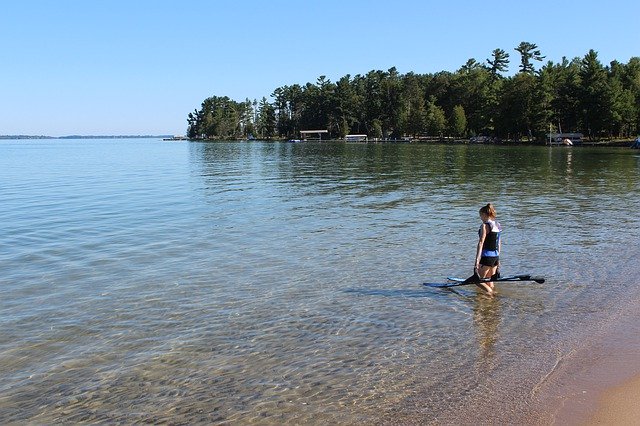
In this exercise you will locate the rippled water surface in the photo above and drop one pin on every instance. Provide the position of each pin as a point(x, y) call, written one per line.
point(272, 283)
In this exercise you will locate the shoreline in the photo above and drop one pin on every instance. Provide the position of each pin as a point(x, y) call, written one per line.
point(599, 383)
point(619, 405)
point(591, 378)
point(585, 144)
point(613, 143)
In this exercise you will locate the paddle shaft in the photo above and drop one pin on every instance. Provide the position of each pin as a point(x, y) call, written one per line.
point(474, 279)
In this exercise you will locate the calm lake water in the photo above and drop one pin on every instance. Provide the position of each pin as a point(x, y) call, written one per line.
point(275, 283)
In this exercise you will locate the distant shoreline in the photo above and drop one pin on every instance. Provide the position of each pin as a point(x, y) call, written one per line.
point(612, 143)
point(84, 137)
point(621, 143)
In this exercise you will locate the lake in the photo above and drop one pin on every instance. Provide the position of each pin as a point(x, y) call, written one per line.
point(275, 283)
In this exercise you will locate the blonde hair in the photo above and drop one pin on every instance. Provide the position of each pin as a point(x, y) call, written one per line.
point(489, 210)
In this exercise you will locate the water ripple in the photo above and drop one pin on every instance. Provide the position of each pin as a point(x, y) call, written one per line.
point(274, 283)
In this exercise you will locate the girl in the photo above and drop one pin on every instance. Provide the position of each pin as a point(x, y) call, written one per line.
point(489, 244)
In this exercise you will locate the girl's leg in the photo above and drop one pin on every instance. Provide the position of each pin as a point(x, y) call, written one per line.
point(491, 272)
point(486, 272)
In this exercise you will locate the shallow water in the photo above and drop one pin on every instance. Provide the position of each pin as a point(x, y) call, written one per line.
point(273, 283)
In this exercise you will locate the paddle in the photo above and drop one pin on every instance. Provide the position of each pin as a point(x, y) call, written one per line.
point(474, 279)
point(539, 280)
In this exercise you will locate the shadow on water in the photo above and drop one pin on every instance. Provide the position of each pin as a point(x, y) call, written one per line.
point(408, 293)
point(486, 310)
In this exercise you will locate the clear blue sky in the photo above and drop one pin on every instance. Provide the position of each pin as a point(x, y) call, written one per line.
point(140, 66)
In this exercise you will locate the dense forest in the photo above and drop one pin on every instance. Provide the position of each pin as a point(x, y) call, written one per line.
point(579, 95)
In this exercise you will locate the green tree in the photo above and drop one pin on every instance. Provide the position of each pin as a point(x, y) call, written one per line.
point(414, 112)
point(194, 120)
point(498, 63)
point(472, 88)
point(376, 128)
point(416, 119)
point(218, 118)
point(296, 103)
point(624, 109)
point(458, 121)
point(391, 103)
point(516, 107)
point(246, 120)
point(561, 85)
point(346, 105)
point(595, 99)
point(578, 95)
point(282, 112)
point(632, 82)
point(436, 122)
point(470, 66)
point(373, 100)
point(266, 119)
point(528, 52)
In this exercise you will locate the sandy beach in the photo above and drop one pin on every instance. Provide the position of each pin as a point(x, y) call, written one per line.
point(599, 384)
point(619, 405)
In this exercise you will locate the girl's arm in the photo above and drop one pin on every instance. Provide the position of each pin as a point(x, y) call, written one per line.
point(483, 235)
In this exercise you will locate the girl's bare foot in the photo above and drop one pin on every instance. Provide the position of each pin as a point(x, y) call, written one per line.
point(487, 289)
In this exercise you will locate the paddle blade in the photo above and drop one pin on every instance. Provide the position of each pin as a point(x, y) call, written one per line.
point(473, 279)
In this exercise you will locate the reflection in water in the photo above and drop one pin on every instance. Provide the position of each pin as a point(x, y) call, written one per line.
point(239, 283)
point(486, 319)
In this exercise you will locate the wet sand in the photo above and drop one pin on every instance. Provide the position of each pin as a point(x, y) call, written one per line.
point(599, 384)
point(619, 405)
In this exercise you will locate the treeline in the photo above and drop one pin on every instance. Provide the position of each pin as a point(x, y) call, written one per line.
point(579, 95)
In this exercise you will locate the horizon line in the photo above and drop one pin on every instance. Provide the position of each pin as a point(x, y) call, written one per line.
point(25, 136)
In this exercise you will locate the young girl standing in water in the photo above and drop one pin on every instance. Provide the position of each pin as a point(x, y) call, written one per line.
point(488, 252)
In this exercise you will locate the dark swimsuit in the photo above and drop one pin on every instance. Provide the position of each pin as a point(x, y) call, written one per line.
point(490, 255)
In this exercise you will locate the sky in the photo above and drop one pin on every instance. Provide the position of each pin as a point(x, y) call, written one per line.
point(134, 67)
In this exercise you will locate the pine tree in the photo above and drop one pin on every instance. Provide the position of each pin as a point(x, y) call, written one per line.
point(528, 51)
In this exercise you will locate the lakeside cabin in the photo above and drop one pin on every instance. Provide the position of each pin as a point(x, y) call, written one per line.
point(566, 139)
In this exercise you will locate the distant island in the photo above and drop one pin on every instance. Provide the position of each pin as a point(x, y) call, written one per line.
point(580, 97)
point(85, 137)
